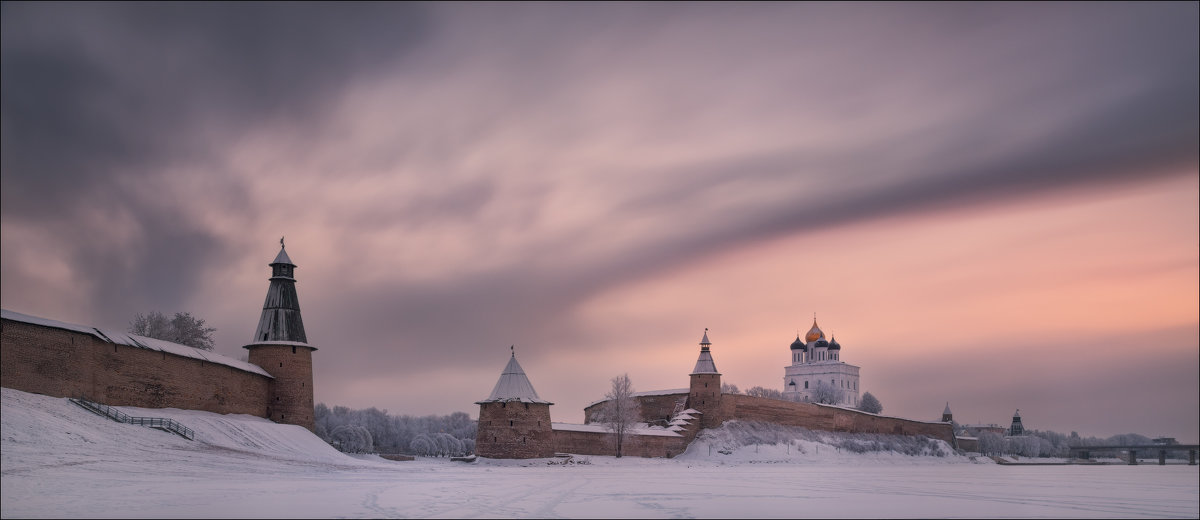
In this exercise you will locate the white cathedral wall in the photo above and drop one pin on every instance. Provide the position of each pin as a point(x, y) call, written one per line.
point(844, 377)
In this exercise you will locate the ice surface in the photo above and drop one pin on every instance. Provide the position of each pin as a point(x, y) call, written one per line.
point(60, 461)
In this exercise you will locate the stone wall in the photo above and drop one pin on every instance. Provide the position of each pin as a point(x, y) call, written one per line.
point(604, 443)
point(514, 430)
point(656, 409)
point(828, 418)
point(64, 363)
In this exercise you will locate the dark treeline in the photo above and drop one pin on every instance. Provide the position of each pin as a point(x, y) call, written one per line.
point(374, 431)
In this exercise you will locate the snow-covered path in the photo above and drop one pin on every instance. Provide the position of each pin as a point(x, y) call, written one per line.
point(61, 461)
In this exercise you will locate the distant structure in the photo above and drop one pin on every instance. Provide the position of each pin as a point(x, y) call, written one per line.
point(947, 415)
point(116, 368)
point(513, 419)
point(1017, 428)
point(281, 347)
point(815, 360)
point(514, 423)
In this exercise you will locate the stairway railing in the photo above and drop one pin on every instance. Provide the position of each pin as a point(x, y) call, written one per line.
point(159, 423)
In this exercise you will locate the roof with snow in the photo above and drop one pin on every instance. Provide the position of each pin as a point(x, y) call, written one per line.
point(672, 391)
point(133, 340)
point(513, 385)
point(635, 429)
point(947, 410)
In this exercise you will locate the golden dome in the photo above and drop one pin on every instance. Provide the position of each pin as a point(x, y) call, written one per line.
point(814, 333)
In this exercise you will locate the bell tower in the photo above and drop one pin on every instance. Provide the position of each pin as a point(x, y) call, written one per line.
point(281, 348)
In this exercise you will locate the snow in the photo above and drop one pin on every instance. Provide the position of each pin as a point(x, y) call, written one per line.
point(513, 385)
point(671, 391)
point(59, 460)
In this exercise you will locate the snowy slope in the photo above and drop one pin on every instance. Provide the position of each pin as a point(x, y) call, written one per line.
point(59, 460)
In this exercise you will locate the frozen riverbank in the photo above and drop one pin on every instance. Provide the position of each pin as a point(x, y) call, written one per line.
point(61, 461)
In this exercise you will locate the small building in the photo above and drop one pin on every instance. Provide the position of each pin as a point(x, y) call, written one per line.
point(1016, 428)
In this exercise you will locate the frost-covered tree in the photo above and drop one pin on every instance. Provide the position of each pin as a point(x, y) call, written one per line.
point(183, 328)
point(826, 393)
point(727, 388)
point(423, 445)
point(991, 443)
point(870, 404)
point(621, 410)
point(352, 439)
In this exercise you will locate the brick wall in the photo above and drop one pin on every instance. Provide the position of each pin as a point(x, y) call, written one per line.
point(290, 395)
point(604, 443)
point(514, 430)
point(656, 409)
point(63, 363)
point(817, 417)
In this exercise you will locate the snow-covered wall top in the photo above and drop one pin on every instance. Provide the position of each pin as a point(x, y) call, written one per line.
point(637, 429)
point(642, 394)
point(133, 340)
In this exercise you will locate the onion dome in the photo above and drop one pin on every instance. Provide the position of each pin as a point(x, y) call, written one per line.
point(821, 343)
point(814, 333)
point(799, 345)
point(834, 345)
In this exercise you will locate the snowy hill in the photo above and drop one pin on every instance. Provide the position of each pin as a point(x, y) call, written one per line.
point(61, 461)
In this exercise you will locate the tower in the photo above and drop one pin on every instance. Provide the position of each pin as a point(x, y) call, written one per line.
point(514, 423)
point(1017, 428)
point(704, 392)
point(281, 348)
point(947, 415)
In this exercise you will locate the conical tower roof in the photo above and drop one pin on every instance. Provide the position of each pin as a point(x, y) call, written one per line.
point(513, 385)
point(280, 320)
point(704, 364)
point(947, 410)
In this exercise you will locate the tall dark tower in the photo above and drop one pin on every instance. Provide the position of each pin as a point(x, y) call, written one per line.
point(1017, 428)
point(947, 415)
point(281, 348)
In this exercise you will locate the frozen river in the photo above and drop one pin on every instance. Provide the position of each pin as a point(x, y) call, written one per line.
point(60, 461)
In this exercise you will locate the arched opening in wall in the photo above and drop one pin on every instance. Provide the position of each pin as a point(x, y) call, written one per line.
point(510, 423)
point(526, 406)
point(293, 349)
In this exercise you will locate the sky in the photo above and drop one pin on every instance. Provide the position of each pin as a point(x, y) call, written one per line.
point(991, 205)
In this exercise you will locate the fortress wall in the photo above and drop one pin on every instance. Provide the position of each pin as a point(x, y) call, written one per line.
point(817, 417)
point(604, 443)
point(64, 363)
point(656, 409)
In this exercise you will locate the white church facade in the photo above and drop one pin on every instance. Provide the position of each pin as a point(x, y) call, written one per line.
point(817, 369)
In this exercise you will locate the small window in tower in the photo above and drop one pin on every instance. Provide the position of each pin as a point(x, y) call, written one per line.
point(526, 406)
point(280, 364)
point(293, 349)
point(806, 384)
point(510, 423)
point(264, 336)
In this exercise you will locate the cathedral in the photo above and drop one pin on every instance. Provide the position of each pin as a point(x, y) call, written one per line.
point(817, 371)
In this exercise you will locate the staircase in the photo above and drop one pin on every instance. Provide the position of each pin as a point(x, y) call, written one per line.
point(158, 423)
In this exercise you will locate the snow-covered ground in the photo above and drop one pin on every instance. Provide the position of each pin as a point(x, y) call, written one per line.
point(59, 460)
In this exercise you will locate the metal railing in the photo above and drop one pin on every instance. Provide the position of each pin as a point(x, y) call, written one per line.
point(160, 423)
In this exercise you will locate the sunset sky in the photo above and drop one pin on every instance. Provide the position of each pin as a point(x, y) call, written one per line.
point(994, 205)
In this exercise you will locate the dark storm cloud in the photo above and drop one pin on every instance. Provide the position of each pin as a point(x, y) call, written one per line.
point(101, 97)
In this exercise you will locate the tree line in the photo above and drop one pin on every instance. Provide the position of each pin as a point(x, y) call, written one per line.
point(372, 430)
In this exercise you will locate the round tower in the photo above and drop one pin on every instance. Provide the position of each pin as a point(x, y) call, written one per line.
point(281, 348)
point(704, 392)
point(514, 423)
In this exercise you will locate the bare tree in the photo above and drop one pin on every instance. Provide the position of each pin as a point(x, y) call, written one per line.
point(620, 411)
point(183, 328)
point(870, 404)
point(727, 388)
point(770, 393)
point(826, 393)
